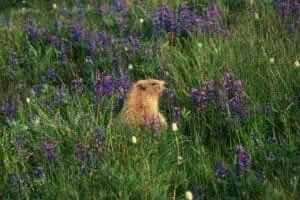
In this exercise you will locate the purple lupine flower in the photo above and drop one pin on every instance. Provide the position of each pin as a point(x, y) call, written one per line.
point(59, 96)
point(105, 9)
point(135, 43)
point(198, 193)
point(122, 87)
point(237, 107)
point(92, 49)
point(154, 124)
point(220, 170)
point(8, 111)
point(103, 41)
point(82, 151)
point(89, 61)
point(283, 6)
point(55, 41)
point(119, 6)
point(51, 75)
point(63, 53)
point(46, 36)
point(48, 148)
point(98, 137)
point(76, 32)
point(211, 91)
point(104, 87)
point(77, 85)
point(32, 33)
point(13, 59)
point(213, 16)
point(176, 113)
point(185, 18)
point(200, 99)
point(163, 20)
point(243, 160)
point(39, 172)
point(117, 66)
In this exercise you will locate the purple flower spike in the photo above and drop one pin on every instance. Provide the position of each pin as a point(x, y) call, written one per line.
point(48, 148)
point(243, 160)
point(220, 170)
point(13, 59)
point(104, 87)
point(76, 32)
point(91, 44)
point(32, 33)
point(82, 151)
point(77, 85)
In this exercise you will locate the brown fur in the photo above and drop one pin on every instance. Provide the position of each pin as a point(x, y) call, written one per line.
point(141, 104)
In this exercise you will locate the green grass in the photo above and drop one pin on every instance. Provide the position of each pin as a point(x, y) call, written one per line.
point(150, 169)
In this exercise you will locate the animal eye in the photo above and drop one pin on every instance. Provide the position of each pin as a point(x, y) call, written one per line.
point(153, 83)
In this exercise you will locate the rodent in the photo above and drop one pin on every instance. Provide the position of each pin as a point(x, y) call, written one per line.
point(141, 105)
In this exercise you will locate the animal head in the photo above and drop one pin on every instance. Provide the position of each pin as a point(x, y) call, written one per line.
point(150, 87)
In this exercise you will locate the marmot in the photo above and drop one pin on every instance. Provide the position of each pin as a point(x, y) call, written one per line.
point(141, 105)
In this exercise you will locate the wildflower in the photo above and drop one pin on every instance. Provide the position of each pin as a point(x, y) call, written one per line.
point(88, 60)
point(23, 10)
point(117, 67)
point(104, 87)
point(81, 151)
point(91, 44)
point(174, 127)
point(36, 120)
point(28, 100)
point(77, 85)
point(7, 111)
point(32, 33)
point(188, 195)
point(220, 170)
point(46, 36)
point(154, 124)
point(179, 160)
point(39, 172)
point(63, 55)
point(59, 96)
point(142, 20)
point(243, 160)
point(296, 64)
point(98, 137)
point(200, 45)
point(133, 140)
point(213, 17)
point(54, 6)
point(256, 16)
point(48, 148)
point(198, 193)
point(130, 66)
point(13, 59)
point(76, 32)
point(272, 60)
point(51, 75)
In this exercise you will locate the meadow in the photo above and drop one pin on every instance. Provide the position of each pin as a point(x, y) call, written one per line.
point(232, 99)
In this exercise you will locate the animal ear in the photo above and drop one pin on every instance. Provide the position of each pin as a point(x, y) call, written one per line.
point(141, 86)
